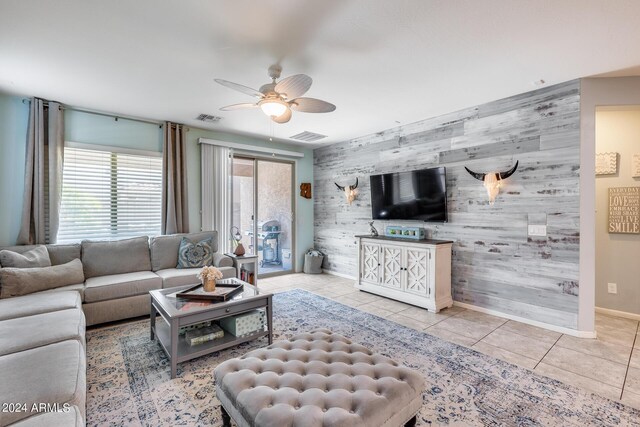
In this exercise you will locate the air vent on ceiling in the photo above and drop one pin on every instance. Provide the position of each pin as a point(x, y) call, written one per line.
point(307, 136)
point(208, 118)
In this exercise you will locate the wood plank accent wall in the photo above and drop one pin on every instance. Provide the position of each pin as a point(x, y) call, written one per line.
point(495, 264)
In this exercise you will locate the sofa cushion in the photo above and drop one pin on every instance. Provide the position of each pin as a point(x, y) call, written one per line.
point(42, 329)
point(172, 277)
point(164, 249)
point(23, 281)
point(78, 287)
point(115, 257)
point(62, 254)
point(30, 305)
point(36, 257)
point(120, 285)
point(55, 373)
point(70, 416)
point(194, 254)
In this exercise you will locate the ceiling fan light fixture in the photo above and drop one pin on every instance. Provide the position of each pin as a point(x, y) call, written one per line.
point(273, 107)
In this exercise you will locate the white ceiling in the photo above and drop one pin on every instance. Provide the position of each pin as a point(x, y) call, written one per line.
point(381, 62)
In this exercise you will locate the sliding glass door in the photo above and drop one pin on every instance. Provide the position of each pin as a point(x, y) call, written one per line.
point(263, 211)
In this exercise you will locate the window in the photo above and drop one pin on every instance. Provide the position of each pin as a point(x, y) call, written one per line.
point(109, 193)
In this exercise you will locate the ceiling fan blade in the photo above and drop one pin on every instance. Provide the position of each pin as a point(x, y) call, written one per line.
point(238, 107)
point(311, 105)
point(294, 86)
point(240, 88)
point(284, 117)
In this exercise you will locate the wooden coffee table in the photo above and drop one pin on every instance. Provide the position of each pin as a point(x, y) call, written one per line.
point(178, 312)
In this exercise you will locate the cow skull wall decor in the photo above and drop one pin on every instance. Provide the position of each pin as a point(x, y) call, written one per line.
point(493, 180)
point(350, 192)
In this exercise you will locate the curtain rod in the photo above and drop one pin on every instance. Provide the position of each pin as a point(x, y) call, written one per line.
point(250, 148)
point(99, 113)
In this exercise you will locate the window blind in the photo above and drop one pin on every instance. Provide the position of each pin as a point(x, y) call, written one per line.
point(109, 195)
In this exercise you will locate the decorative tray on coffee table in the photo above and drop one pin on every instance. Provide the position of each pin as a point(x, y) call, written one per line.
point(223, 292)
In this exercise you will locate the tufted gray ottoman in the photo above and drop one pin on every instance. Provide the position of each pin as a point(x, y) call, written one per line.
point(317, 379)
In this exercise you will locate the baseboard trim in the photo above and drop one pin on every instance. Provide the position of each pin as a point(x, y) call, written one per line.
point(335, 273)
point(616, 313)
point(560, 329)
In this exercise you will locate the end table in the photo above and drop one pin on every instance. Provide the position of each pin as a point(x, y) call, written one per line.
point(246, 267)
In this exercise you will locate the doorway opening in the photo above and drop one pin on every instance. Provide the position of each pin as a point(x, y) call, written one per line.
point(618, 211)
point(263, 211)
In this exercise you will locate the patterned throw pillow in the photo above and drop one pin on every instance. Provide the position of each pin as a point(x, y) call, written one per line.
point(191, 255)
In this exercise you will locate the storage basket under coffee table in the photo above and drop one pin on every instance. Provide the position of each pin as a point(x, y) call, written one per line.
point(177, 313)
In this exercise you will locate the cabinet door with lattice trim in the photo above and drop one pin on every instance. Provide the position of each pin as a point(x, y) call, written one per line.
point(370, 263)
point(392, 266)
point(418, 272)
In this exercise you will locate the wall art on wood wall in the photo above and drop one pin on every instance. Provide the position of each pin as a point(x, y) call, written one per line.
point(624, 210)
point(606, 163)
point(635, 166)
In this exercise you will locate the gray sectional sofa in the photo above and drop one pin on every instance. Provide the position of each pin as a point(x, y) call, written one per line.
point(42, 335)
point(42, 360)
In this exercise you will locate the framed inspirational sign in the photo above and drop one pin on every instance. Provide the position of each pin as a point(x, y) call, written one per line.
point(624, 210)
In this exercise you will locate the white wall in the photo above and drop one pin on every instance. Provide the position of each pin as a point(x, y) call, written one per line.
point(617, 255)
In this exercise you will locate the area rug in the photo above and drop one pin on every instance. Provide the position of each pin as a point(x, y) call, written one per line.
point(128, 378)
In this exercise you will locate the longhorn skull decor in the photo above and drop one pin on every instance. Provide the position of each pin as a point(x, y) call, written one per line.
point(349, 191)
point(493, 180)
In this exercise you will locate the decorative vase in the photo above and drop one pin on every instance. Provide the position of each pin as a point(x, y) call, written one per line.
point(239, 250)
point(209, 285)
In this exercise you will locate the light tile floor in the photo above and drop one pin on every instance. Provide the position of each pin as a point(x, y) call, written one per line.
point(608, 365)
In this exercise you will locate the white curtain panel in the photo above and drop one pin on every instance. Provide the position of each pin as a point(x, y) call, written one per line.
point(216, 192)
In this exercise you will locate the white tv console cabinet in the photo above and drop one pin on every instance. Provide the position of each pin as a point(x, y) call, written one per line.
point(416, 272)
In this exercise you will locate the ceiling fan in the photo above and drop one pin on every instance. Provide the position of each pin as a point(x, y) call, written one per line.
point(277, 100)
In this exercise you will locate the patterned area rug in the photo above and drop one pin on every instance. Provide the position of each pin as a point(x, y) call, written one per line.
point(129, 384)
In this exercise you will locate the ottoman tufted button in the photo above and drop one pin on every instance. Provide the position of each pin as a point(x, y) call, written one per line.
point(324, 409)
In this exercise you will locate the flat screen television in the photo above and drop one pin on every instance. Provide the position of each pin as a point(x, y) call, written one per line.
point(416, 195)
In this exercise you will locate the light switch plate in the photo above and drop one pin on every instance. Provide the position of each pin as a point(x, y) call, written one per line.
point(612, 288)
point(538, 230)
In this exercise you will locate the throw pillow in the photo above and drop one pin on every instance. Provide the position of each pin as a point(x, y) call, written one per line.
point(191, 255)
point(23, 281)
point(36, 257)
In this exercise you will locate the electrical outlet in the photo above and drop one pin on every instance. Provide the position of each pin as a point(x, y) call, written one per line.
point(537, 230)
point(612, 288)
